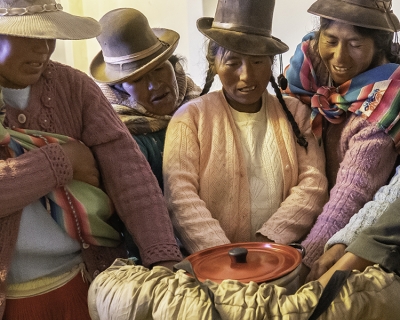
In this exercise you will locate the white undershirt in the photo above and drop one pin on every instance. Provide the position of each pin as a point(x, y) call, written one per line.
point(264, 168)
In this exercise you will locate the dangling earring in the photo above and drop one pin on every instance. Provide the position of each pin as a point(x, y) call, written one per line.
point(282, 81)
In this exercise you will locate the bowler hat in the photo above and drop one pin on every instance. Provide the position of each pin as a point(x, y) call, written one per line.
point(372, 14)
point(243, 26)
point(129, 47)
point(44, 19)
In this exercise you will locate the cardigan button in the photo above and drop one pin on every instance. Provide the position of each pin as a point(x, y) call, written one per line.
point(96, 273)
point(21, 118)
point(287, 167)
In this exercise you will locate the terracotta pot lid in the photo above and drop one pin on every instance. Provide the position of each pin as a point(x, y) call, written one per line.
point(247, 261)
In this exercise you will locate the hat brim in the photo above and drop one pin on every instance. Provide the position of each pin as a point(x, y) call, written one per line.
point(100, 72)
point(240, 42)
point(50, 25)
point(355, 15)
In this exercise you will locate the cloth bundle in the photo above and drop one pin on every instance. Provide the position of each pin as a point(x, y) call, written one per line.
point(127, 291)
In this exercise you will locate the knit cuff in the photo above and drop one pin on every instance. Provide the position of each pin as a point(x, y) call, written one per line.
point(60, 164)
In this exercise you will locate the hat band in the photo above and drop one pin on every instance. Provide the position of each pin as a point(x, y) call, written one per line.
point(381, 5)
point(134, 56)
point(31, 9)
point(241, 28)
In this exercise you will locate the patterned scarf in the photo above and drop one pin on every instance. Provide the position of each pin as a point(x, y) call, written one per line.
point(80, 209)
point(136, 118)
point(373, 95)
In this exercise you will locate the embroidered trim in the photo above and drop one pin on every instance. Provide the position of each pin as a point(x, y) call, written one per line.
point(31, 9)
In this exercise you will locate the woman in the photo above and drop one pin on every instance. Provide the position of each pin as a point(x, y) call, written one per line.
point(45, 264)
point(141, 78)
point(343, 71)
point(237, 166)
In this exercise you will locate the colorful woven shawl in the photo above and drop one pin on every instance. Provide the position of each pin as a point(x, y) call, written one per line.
point(80, 209)
point(373, 95)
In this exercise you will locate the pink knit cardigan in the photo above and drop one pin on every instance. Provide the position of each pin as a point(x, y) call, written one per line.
point(67, 101)
point(205, 175)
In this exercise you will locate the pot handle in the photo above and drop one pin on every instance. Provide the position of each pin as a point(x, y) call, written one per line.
point(299, 247)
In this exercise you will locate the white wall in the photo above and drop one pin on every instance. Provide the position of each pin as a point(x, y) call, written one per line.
point(291, 22)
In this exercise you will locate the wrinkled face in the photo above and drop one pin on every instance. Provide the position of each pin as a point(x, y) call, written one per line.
point(244, 78)
point(157, 90)
point(23, 60)
point(345, 52)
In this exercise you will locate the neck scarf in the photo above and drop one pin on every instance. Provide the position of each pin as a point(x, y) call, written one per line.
point(80, 209)
point(373, 95)
point(136, 118)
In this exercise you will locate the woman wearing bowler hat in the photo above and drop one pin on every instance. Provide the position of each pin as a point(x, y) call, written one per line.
point(51, 247)
point(142, 78)
point(241, 164)
point(348, 72)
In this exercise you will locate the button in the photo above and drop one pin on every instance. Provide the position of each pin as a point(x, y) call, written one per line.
point(85, 246)
point(96, 273)
point(287, 167)
point(21, 118)
point(48, 98)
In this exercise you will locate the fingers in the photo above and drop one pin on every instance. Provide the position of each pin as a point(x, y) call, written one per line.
point(326, 261)
point(83, 163)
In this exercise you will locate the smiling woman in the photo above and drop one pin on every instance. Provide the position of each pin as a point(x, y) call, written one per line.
point(349, 73)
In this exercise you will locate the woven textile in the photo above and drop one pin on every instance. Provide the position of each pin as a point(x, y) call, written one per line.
point(373, 95)
point(80, 209)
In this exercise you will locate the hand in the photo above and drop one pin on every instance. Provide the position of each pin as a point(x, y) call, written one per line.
point(326, 261)
point(349, 261)
point(167, 264)
point(83, 162)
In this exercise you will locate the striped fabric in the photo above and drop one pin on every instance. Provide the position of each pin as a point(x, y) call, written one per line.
point(80, 209)
point(373, 95)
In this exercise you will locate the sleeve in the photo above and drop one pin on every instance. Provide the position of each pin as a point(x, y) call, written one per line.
point(30, 176)
point(127, 178)
point(368, 215)
point(298, 212)
point(380, 243)
point(196, 227)
point(360, 175)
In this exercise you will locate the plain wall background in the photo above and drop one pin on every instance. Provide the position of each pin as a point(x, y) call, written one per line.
point(291, 22)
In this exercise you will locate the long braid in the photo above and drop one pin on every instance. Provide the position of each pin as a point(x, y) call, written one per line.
point(301, 140)
point(212, 50)
point(209, 80)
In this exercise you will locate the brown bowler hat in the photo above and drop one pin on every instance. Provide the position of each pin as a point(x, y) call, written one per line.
point(372, 14)
point(243, 26)
point(129, 47)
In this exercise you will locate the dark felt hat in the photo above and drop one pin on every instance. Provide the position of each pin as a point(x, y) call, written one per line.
point(372, 14)
point(243, 26)
point(129, 47)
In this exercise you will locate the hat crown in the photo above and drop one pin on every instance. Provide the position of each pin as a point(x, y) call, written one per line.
point(372, 14)
point(125, 32)
point(24, 3)
point(253, 17)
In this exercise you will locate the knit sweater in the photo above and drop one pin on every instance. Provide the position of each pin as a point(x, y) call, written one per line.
point(368, 215)
point(68, 102)
point(360, 158)
point(205, 176)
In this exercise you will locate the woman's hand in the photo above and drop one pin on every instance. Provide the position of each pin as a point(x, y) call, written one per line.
point(83, 162)
point(349, 261)
point(326, 261)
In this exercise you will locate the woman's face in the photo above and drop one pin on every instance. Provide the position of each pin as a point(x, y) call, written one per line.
point(345, 52)
point(157, 90)
point(23, 60)
point(244, 78)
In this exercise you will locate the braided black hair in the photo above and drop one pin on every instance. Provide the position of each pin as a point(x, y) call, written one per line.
point(301, 140)
point(212, 51)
